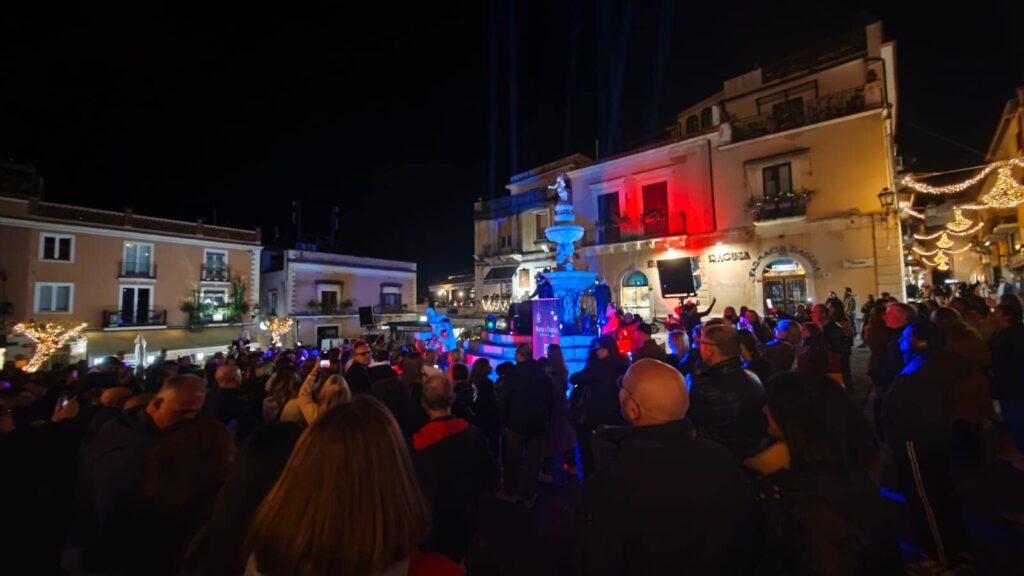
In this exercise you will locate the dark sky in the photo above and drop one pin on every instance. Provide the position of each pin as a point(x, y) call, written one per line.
point(402, 115)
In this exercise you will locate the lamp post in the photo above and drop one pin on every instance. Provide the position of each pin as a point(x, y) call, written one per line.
point(887, 198)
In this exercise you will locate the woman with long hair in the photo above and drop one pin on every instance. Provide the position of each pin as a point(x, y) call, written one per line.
point(485, 405)
point(402, 395)
point(559, 439)
point(821, 508)
point(751, 354)
point(281, 404)
point(320, 391)
point(184, 472)
point(348, 502)
point(812, 356)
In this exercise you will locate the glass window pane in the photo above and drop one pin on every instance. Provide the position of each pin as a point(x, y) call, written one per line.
point(48, 247)
point(63, 298)
point(46, 298)
point(785, 184)
point(65, 249)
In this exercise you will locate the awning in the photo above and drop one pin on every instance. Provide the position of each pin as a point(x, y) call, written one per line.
point(501, 274)
point(177, 341)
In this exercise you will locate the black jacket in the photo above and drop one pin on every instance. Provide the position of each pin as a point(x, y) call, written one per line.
point(358, 378)
point(651, 349)
point(818, 522)
point(117, 461)
point(1008, 363)
point(526, 399)
point(455, 468)
point(597, 394)
point(918, 407)
point(662, 502)
point(725, 404)
point(217, 548)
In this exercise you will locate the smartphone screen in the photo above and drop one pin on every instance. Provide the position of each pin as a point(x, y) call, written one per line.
point(325, 363)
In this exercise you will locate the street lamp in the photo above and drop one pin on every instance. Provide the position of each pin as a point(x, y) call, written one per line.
point(887, 198)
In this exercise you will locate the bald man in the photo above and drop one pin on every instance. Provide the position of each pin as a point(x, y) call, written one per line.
point(662, 500)
point(455, 467)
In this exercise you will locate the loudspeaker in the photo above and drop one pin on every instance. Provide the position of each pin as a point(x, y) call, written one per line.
point(366, 315)
point(524, 318)
point(677, 277)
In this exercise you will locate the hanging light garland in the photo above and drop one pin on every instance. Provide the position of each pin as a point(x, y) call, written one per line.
point(914, 213)
point(926, 252)
point(913, 184)
point(1006, 193)
point(959, 223)
point(943, 267)
point(941, 258)
point(944, 241)
point(278, 328)
point(49, 337)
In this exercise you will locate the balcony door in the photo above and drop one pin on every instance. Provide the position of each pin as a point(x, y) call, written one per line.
point(136, 302)
point(138, 259)
point(608, 218)
point(656, 209)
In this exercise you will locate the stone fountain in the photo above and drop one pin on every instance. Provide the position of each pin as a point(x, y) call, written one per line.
point(567, 283)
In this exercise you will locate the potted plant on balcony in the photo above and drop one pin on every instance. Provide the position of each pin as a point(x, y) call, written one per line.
point(781, 205)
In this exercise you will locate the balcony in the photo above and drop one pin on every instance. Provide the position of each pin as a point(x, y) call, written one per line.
point(783, 206)
point(391, 309)
point(215, 273)
point(139, 270)
point(117, 318)
point(510, 205)
point(653, 223)
point(827, 107)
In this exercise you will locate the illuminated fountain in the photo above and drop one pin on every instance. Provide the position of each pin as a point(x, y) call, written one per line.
point(554, 320)
point(568, 284)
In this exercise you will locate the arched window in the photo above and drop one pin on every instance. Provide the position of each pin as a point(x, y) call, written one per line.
point(636, 293)
point(692, 126)
point(634, 279)
point(705, 118)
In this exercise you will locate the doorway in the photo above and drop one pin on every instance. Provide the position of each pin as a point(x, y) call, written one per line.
point(135, 305)
point(785, 286)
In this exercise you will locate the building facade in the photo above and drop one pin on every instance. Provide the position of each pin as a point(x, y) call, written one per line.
point(323, 292)
point(770, 185)
point(187, 287)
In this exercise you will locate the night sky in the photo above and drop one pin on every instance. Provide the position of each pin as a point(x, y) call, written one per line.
point(403, 115)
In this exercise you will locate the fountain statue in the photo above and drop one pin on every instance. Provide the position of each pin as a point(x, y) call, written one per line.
point(567, 282)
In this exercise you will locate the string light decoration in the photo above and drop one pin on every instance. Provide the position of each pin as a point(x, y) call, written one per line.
point(49, 337)
point(914, 213)
point(926, 252)
point(944, 241)
point(943, 267)
point(278, 328)
point(959, 223)
point(913, 184)
point(941, 258)
point(1006, 193)
point(959, 250)
point(928, 236)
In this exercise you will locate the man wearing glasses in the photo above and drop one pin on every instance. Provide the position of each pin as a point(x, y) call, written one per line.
point(358, 374)
point(725, 401)
point(660, 498)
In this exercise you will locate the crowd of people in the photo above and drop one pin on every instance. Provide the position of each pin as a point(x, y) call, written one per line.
point(741, 449)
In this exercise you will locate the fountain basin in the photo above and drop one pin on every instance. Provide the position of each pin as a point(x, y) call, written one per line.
point(564, 233)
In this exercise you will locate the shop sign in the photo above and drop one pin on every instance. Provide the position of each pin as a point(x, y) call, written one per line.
point(858, 263)
point(728, 257)
point(783, 252)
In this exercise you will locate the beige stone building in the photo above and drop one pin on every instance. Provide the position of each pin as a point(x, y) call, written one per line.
point(126, 274)
point(771, 185)
point(323, 293)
